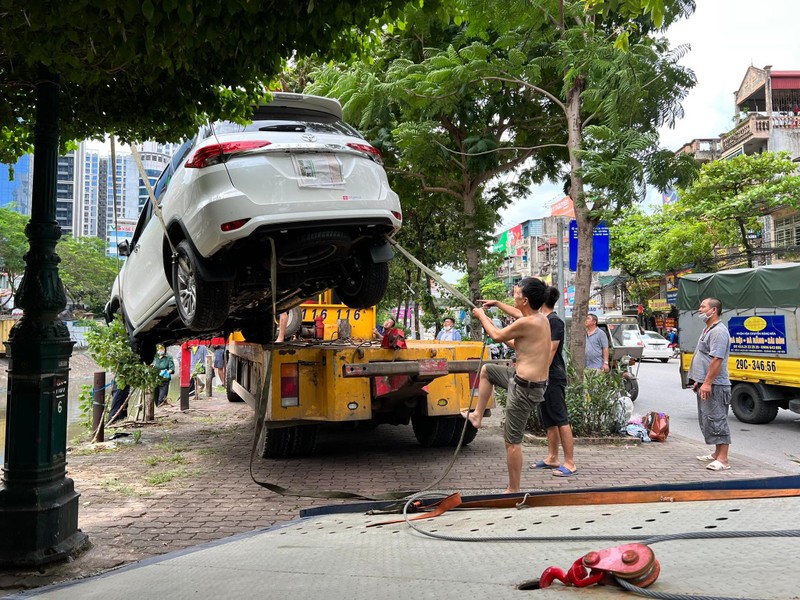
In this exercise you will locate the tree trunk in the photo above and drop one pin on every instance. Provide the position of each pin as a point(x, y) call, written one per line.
point(583, 272)
point(473, 263)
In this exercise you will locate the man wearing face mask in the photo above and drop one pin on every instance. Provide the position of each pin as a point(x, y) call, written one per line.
point(709, 374)
point(166, 369)
point(448, 332)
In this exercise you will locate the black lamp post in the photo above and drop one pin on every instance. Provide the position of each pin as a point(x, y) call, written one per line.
point(38, 502)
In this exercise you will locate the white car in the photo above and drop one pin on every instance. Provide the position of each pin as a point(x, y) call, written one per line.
point(297, 179)
point(656, 346)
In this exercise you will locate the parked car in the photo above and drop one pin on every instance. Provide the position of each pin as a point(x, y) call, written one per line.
point(298, 180)
point(656, 346)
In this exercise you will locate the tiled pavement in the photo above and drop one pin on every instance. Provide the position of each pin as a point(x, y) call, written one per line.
point(129, 517)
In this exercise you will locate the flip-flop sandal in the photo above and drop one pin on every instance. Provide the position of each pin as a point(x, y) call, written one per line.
point(563, 471)
point(543, 465)
point(717, 466)
point(706, 458)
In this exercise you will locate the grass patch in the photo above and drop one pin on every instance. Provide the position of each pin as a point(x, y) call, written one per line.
point(163, 477)
point(115, 485)
point(175, 459)
point(168, 446)
point(208, 451)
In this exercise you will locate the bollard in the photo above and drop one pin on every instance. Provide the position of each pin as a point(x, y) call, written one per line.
point(150, 406)
point(186, 358)
point(209, 372)
point(99, 406)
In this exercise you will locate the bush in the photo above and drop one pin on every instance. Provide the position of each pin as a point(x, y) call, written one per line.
point(591, 404)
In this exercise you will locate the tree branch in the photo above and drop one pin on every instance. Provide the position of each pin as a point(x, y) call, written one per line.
point(425, 187)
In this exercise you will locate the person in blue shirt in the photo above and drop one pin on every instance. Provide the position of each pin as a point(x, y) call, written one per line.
point(449, 333)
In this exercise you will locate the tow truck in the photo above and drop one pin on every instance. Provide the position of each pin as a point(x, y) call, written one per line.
point(335, 372)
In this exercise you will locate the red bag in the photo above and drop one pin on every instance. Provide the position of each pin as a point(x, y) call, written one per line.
point(394, 339)
point(657, 425)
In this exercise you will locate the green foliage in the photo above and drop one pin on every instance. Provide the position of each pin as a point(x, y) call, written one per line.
point(13, 245)
point(109, 347)
point(86, 271)
point(85, 403)
point(155, 70)
point(739, 190)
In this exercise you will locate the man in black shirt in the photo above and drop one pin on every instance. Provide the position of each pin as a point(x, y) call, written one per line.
point(553, 410)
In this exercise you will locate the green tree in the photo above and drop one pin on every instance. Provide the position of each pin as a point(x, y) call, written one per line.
point(87, 272)
point(12, 247)
point(739, 190)
point(607, 106)
point(454, 141)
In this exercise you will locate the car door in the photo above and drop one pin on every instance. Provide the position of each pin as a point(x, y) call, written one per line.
point(145, 288)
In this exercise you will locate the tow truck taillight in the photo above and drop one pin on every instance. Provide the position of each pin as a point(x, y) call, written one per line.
point(473, 382)
point(218, 153)
point(290, 385)
point(370, 151)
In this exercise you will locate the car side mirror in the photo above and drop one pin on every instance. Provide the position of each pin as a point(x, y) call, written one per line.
point(124, 248)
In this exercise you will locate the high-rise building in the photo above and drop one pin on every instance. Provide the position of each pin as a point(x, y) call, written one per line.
point(155, 157)
point(16, 185)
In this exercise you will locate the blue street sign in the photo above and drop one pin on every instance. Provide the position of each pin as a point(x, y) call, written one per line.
point(600, 247)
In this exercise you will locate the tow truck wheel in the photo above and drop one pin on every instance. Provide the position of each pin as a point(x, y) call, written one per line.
point(469, 436)
point(230, 377)
point(275, 443)
point(304, 440)
point(749, 406)
point(432, 432)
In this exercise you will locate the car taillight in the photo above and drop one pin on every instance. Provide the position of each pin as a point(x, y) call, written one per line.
point(397, 215)
point(371, 151)
point(233, 225)
point(290, 385)
point(217, 153)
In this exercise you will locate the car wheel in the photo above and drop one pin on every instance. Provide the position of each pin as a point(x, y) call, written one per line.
point(433, 432)
point(275, 443)
point(469, 435)
point(366, 283)
point(313, 249)
point(202, 305)
point(663, 360)
point(749, 407)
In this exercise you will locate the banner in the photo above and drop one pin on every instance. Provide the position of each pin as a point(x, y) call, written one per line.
point(501, 244)
point(563, 208)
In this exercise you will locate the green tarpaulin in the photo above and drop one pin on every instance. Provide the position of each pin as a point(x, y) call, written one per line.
point(771, 286)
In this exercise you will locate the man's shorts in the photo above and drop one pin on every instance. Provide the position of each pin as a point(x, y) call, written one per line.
point(523, 398)
point(554, 408)
point(713, 415)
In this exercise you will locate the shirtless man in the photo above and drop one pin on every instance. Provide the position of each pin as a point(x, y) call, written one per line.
point(530, 336)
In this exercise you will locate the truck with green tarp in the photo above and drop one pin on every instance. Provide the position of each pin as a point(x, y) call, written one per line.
point(761, 308)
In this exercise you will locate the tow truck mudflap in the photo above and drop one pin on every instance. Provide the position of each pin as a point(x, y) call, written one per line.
point(428, 368)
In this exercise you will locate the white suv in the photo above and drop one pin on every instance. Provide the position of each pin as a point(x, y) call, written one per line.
point(297, 177)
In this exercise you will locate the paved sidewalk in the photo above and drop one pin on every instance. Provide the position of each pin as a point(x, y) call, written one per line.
point(187, 482)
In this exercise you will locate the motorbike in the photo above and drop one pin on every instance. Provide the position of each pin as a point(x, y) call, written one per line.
point(627, 366)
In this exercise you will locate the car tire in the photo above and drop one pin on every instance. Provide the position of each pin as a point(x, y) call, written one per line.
point(202, 305)
point(313, 249)
point(469, 435)
point(433, 432)
point(367, 285)
point(275, 443)
point(749, 407)
point(295, 321)
point(664, 360)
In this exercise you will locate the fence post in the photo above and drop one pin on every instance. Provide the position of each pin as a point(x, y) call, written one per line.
point(99, 406)
point(209, 372)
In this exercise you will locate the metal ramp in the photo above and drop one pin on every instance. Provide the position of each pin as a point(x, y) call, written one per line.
point(335, 555)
